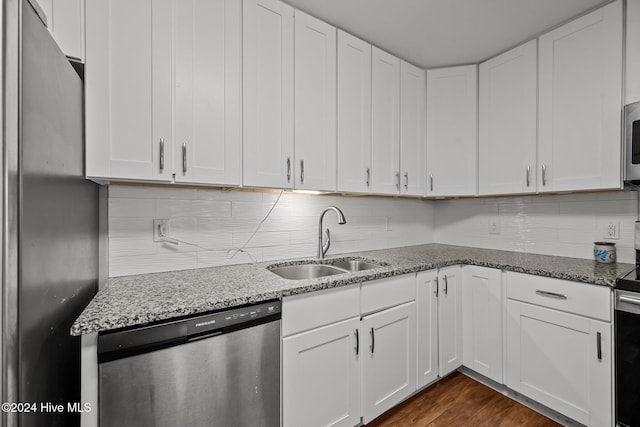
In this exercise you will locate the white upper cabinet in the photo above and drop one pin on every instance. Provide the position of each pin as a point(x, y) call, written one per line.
point(206, 87)
point(267, 94)
point(150, 95)
point(127, 73)
point(580, 87)
point(315, 104)
point(452, 131)
point(632, 59)
point(508, 125)
point(413, 129)
point(65, 21)
point(354, 114)
point(385, 122)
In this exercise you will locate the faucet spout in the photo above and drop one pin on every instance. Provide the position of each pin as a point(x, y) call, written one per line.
point(324, 247)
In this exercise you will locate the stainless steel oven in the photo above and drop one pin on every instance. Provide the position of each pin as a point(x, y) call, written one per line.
point(627, 343)
point(632, 142)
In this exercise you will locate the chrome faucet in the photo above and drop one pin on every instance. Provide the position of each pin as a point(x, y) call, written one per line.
point(324, 247)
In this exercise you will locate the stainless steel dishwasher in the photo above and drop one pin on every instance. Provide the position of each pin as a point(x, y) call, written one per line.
point(219, 369)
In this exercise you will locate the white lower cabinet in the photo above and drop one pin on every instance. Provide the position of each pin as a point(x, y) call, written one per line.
point(482, 321)
point(449, 319)
point(389, 359)
point(321, 376)
point(439, 323)
point(556, 357)
point(338, 367)
point(427, 327)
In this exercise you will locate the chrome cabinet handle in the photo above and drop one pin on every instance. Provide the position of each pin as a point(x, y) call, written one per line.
point(446, 285)
point(373, 340)
point(630, 300)
point(301, 171)
point(161, 155)
point(436, 290)
point(368, 177)
point(599, 345)
point(431, 181)
point(406, 180)
point(288, 169)
point(184, 158)
point(544, 175)
point(550, 294)
point(528, 172)
point(357, 334)
point(398, 180)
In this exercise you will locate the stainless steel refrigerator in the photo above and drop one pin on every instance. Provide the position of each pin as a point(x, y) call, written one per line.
point(50, 221)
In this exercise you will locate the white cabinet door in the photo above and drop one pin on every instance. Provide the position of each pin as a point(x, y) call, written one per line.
point(321, 376)
point(451, 131)
point(354, 114)
point(267, 94)
point(427, 327)
point(482, 320)
point(449, 320)
point(127, 76)
point(413, 129)
point(553, 358)
point(65, 21)
point(207, 89)
point(315, 104)
point(508, 124)
point(632, 50)
point(389, 353)
point(385, 122)
point(580, 85)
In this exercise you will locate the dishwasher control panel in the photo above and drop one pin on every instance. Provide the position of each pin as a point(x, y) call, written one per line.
point(231, 318)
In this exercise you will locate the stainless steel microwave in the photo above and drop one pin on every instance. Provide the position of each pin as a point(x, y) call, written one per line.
point(632, 141)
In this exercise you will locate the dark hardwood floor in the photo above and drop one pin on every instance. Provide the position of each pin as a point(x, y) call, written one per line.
point(461, 401)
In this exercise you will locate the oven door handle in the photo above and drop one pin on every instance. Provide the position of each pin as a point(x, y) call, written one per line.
point(629, 300)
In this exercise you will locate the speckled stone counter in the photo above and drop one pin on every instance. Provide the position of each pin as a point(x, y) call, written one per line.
point(137, 300)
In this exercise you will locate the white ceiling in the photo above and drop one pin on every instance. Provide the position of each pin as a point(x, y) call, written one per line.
point(435, 33)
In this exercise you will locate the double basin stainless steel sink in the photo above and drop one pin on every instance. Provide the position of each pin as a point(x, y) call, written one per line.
point(320, 268)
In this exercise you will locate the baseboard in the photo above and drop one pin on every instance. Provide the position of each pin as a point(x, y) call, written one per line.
point(503, 389)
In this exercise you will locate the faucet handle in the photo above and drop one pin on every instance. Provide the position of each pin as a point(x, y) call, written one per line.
point(327, 244)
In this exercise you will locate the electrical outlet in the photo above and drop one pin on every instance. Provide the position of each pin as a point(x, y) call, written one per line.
point(160, 226)
point(389, 224)
point(494, 225)
point(612, 230)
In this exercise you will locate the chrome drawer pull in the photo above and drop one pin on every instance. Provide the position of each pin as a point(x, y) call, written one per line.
point(184, 158)
point(599, 345)
point(161, 155)
point(550, 294)
point(357, 341)
point(436, 288)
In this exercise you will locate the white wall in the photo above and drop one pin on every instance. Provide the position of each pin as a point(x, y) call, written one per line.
point(563, 225)
point(217, 221)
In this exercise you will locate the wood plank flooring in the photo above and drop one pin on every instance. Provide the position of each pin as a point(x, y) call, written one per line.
point(461, 401)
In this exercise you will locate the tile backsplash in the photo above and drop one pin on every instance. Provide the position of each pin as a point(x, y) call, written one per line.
point(563, 225)
point(212, 224)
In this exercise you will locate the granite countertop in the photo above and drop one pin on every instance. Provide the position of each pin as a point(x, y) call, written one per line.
point(141, 299)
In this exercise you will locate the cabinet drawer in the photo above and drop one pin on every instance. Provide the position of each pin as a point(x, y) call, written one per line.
point(307, 311)
point(573, 297)
point(380, 294)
